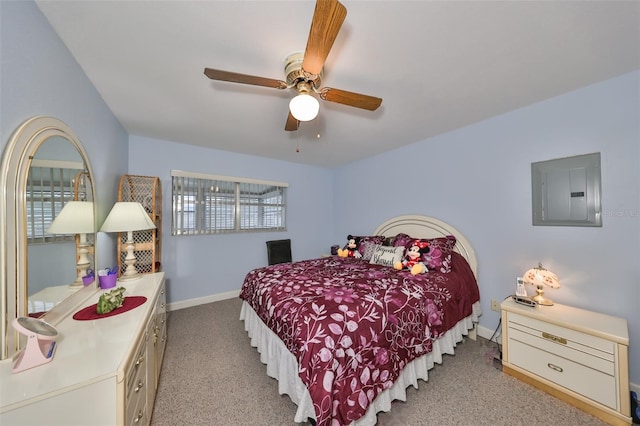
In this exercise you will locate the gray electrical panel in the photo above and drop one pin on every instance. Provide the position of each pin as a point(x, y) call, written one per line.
point(566, 191)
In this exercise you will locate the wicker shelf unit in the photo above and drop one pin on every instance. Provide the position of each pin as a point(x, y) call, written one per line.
point(147, 191)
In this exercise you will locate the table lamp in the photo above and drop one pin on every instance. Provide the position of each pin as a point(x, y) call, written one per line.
point(76, 217)
point(541, 277)
point(126, 216)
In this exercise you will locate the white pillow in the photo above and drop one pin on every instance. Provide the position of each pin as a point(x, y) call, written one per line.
point(386, 255)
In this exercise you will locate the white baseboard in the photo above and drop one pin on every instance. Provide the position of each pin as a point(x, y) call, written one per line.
point(486, 333)
point(202, 300)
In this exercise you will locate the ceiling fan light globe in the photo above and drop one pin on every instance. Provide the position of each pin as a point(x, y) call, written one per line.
point(304, 107)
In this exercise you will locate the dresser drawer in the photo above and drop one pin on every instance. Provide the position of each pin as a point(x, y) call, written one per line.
point(138, 366)
point(138, 415)
point(137, 384)
point(137, 397)
point(161, 332)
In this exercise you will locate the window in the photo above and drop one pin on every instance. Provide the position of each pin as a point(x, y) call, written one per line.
point(209, 204)
point(50, 184)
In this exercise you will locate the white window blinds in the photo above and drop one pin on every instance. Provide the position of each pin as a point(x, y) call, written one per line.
point(211, 204)
point(50, 184)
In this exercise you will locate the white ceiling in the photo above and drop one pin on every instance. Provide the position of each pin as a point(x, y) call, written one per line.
point(437, 65)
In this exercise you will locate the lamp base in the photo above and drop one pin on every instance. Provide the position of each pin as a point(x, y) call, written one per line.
point(540, 299)
point(130, 273)
point(76, 284)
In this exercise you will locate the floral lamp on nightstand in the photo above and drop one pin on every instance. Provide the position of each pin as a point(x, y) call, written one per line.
point(541, 277)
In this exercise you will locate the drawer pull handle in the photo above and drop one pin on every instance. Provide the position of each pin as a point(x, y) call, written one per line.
point(553, 338)
point(140, 384)
point(138, 417)
point(555, 367)
point(140, 361)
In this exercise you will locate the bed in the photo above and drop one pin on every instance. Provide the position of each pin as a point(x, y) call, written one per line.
point(345, 336)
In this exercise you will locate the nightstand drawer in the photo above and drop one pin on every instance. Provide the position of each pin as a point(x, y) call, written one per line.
point(576, 339)
point(562, 347)
point(586, 381)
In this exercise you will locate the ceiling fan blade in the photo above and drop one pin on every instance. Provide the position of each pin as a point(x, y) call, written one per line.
point(235, 77)
point(292, 123)
point(327, 20)
point(350, 98)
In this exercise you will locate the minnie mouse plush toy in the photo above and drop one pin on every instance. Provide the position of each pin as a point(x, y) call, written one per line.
point(413, 258)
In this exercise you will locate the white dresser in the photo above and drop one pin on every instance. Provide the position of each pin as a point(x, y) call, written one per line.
point(104, 372)
point(573, 354)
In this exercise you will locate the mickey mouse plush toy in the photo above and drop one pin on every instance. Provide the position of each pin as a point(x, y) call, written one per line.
point(351, 249)
point(413, 258)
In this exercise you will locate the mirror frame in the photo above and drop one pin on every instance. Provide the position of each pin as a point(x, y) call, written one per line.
point(14, 170)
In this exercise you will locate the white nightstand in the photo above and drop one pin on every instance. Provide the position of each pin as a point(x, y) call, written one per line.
point(573, 354)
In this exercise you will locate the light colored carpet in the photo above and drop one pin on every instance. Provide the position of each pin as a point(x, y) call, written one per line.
point(212, 376)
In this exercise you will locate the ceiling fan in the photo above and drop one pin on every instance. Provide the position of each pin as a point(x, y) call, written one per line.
point(303, 70)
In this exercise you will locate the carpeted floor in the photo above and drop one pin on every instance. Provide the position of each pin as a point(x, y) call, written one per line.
point(212, 376)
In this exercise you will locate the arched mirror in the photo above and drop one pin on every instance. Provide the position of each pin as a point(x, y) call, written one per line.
point(44, 167)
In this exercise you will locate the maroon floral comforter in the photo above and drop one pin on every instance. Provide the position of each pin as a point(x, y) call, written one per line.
point(353, 326)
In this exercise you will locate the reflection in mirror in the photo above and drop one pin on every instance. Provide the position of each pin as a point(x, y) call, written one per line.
point(44, 167)
point(57, 176)
point(76, 218)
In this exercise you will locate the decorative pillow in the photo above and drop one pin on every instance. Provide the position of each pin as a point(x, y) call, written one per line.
point(401, 240)
point(374, 239)
point(386, 256)
point(446, 244)
point(368, 249)
point(439, 254)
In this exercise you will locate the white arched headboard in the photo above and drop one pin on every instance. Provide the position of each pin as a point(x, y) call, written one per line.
point(419, 226)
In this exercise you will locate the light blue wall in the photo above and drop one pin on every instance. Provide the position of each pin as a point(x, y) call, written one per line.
point(479, 179)
point(38, 76)
point(199, 266)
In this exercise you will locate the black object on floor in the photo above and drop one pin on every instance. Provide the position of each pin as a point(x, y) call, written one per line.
point(635, 408)
point(279, 251)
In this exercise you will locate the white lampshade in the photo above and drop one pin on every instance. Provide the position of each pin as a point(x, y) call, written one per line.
point(540, 277)
point(76, 217)
point(127, 216)
point(304, 107)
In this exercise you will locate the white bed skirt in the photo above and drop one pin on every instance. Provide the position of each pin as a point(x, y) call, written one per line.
point(282, 365)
